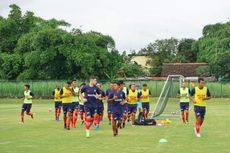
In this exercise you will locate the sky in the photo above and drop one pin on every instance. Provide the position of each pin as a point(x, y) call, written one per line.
point(132, 23)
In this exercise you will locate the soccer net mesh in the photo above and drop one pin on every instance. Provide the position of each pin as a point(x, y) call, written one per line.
point(168, 93)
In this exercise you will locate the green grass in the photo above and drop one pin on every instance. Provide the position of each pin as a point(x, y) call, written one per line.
point(44, 135)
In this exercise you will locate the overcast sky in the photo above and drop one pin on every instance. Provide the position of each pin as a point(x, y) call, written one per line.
point(132, 23)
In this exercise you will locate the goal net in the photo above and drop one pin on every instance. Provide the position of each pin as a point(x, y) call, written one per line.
point(169, 90)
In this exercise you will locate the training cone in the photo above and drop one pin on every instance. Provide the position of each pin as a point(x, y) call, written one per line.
point(163, 141)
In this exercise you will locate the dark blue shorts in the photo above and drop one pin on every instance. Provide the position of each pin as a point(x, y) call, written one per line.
point(132, 108)
point(145, 106)
point(118, 116)
point(100, 110)
point(75, 105)
point(110, 109)
point(184, 106)
point(67, 107)
point(82, 108)
point(26, 107)
point(124, 109)
point(57, 104)
point(200, 111)
point(90, 110)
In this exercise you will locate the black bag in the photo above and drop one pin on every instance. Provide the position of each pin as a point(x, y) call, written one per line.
point(142, 121)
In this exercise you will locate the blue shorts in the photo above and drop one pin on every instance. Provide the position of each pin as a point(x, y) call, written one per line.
point(75, 105)
point(90, 110)
point(26, 107)
point(110, 109)
point(124, 109)
point(67, 107)
point(184, 106)
point(100, 110)
point(200, 111)
point(145, 106)
point(57, 104)
point(132, 108)
point(82, 108)
point(118, 116)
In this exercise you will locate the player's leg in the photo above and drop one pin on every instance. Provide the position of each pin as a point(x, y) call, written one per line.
point(125, 114)
point(56, 110)
point(119, 122)
point(59, 110)
point(82, 113)
point(114, 126)
point(109, 113)
point(133, 114)
point(186, 112)
point(65, 109)
point(96, 118)
point(23, 109)
point(75, 114)
point(182, 108)
point(89, 119)
point(129, 112)
point(28, 111)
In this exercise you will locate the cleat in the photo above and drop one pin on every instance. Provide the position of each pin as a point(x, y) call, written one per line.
point(96, 127)
point(65, 127)
point(20, 123)
point(82, 122)
point(109, 122)
point(198, 135)
point(32, 116)
point(68, 128)
point(124, 125)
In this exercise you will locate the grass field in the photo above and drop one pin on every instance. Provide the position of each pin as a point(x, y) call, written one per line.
point(44, 135)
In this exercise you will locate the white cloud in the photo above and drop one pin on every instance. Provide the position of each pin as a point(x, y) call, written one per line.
point(132, 23)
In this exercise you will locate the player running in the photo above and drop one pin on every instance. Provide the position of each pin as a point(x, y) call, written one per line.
point(124, 107)
point(75, 103)
point(183, 94)
point(132, 99)
point(100, 106)
point(145, 98)
point(117, 100)
point(91, 95)
point(201, 95)
point(57, 102)
point(109, 107)
point(66, 96)
point(27, 104)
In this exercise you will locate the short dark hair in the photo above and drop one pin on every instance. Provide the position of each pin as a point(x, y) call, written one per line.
point(92, 77)
point(27, 85)
point(200, 79)
point(73, 80)
point(144, 85)
point(68, 82)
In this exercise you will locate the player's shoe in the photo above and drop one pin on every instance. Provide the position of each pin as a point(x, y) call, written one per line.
point(67, 128)
point(82, 122)
point(32, 116)
point(123, 125)
point(109, 122)
point(96, 127)
point(20, 123)
point(197, 134)
point(87, 133)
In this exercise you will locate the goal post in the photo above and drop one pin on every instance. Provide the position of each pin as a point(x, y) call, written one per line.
point(164, 95)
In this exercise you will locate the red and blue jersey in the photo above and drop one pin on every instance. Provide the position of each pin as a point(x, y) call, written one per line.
point(90, 95)
point(116, 104)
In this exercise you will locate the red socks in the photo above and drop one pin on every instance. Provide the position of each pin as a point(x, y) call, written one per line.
point(22, 117)
point(187, 113)
point(88, 123)
point(124, 118)
point(198, 127)
point(82, 116)
point(96, 119)
point(75, 115)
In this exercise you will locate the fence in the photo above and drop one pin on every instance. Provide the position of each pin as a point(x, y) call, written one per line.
point(14, 89)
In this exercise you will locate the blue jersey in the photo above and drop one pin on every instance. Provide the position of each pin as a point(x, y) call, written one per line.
point(90, 95)
point(109, 94)
point(116, 104)
point(100, 102)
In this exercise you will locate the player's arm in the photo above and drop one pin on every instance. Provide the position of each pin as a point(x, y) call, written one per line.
point(52, 94)
point(208, 95)
point(139, 95)
point(178, 94)
point(81, 95)
point(103, 97)
point(123, 99)
point(61, 94)
point(31, 96)
point(192, 93)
